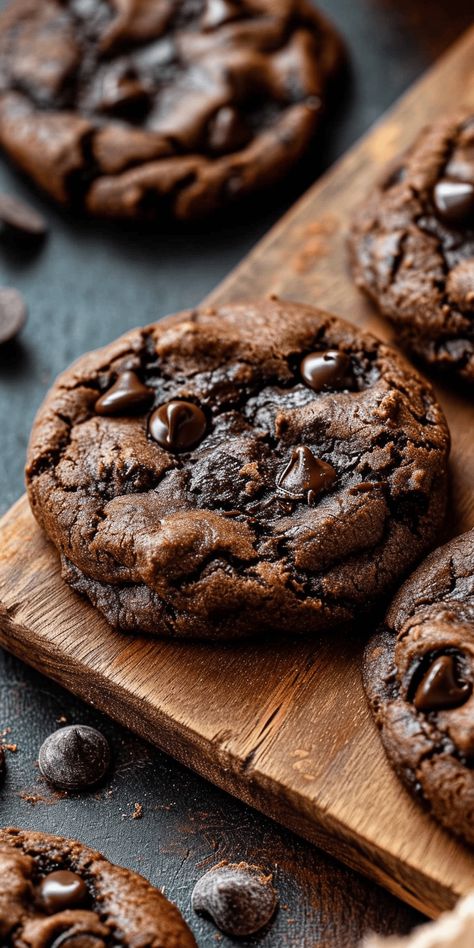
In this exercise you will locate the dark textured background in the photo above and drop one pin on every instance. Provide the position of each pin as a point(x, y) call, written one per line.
point(86, 285)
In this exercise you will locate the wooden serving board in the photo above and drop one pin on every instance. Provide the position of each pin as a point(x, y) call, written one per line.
point(283, 726)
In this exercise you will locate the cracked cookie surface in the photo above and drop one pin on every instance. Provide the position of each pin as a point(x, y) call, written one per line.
point(133, 108)
point(60, 894)
point(259, 467)
point(412, 246)
point(419, 676)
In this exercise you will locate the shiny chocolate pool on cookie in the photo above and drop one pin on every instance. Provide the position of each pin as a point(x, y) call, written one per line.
point(161, 108)
point(419, 678)
point(259, 467)
point(57, 893)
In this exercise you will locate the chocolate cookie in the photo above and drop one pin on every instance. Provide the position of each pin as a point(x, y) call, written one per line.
point(263, 466)
point(412, 246)
point(59, 893)
point(138, 108)
point(419, 676)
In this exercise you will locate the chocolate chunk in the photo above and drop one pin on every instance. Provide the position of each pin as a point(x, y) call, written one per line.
point(441, 688)
point(239, 898)
point(13, 313)
point(321, 369)
point(62, 890)
point(178, 425)
point(20, 218)
point(74, 757)
point(126, 396)
point(454, 201)
point(305, 475)
point(75, 939)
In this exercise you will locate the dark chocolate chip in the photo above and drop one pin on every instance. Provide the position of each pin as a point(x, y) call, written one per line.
point(305, 475)
point(62, 890)
point(178, 425)
point(126, 396)
point(3, 763)
point(227, 131)
point(75, 939)
point(239, 898)
point(321, 369)
point(20, 218)
point(74, 757)
point(13, 313)
point(441, 687)
point(454, 201)
point(123, 95)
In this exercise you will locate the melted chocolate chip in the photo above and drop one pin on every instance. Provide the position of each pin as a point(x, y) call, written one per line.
point(441, 687)
point(321, 369)
point(20, 218)
point(62, 890)
point(77, 939)
point(126, 396)
point(305, 475)
point(240, 899)
point(74, 757)
point(13, 313)
point(454, 201)
point(178, 425)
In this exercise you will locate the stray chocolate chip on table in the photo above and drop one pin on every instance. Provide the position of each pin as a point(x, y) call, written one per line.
point(13, 313)
point(74, 757)
point(21, 219)
point(239, 898)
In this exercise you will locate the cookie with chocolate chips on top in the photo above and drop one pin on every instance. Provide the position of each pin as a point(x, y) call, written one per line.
point(59, 893)
point(150, 109)
point(412, 246)
point(419, 678)
point(261, 467)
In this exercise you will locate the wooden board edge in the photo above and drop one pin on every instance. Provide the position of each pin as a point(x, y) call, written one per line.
point(215, 764)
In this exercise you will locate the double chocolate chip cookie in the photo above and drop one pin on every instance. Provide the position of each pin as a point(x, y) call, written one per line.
point(419, 677)
point(139, 108)
point(57, 893)
point(412, 246)
point(262, 466)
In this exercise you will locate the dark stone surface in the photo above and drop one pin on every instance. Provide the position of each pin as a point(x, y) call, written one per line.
point(86, 285)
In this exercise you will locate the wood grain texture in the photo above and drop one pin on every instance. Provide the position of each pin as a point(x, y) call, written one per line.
point(285, 727)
